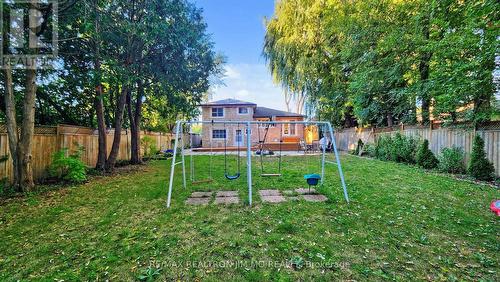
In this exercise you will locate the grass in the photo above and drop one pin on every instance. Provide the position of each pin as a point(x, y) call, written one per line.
point(402, 224)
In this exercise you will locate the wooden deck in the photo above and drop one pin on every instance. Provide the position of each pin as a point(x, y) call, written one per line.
point(275, 146)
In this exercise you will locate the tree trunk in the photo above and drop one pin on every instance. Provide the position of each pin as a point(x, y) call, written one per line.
point(423, 67)
point(135, 123)
point(102, 153)
point(115, 148)
point(11, 124)
point(390, 120)
point(27, 131)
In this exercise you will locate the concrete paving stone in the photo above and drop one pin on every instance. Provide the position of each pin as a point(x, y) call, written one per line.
point(315, 198)
point(305, 191)
point(263, 193)
point(201, 194)
point(226, 194)
point(273, 199)
point(198, 201)
point(227, 200)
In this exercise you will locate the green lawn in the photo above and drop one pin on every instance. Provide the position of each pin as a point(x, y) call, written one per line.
point(402, 224)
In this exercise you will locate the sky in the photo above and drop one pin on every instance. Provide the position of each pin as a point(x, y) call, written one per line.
point(237, 28)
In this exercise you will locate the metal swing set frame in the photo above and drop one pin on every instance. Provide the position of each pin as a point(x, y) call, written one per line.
point(247, 125)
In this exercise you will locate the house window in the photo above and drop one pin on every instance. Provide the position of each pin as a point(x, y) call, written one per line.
point(217, 112)
point(288, 129)
point(242, 111)
point(266, 125)
point(218, 134)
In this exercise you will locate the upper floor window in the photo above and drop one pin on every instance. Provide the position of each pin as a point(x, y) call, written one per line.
point(217, 112)
point(242, 110)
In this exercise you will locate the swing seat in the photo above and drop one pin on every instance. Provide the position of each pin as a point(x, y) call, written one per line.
point(202, 181)
point(270, 174)
point(232, 177)
point(312, 179)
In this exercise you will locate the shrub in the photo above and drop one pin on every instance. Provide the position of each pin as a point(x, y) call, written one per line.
point(148, 146)
point(451, 160)
point(383, 148)
point(479, 166)
point(68, 166)
point(398, 148)
point(404, 149)
point(425, 158)
point(369, 150)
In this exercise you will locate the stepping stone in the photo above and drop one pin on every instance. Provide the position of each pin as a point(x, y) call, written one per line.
point(306, 191)
point(197, 201)
point(263, 193)
point(288, 192)
point(314, 198)
point(227, 194)
point(227, 200)
point(273, 199)
point(201, 194)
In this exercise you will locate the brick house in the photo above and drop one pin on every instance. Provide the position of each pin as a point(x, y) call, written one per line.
point(215, 135)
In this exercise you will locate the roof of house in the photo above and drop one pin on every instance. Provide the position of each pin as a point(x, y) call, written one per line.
point(228, 102)
point(267, 112)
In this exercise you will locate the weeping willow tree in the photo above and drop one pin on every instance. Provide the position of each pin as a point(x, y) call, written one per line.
point(291, 45)
point(382, 62)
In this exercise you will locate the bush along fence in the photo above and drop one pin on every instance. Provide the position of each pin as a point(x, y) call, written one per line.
point(49, 140)
point(446, 143)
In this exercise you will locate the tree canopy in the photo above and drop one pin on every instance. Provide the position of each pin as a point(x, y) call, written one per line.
point(380, 62)
point(119, 60)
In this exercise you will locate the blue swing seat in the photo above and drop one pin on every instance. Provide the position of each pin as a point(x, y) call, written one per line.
point(232, 177)
point(312, 179)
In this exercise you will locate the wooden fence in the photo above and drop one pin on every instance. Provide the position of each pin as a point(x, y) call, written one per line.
point(439, 138)
point(50, 139)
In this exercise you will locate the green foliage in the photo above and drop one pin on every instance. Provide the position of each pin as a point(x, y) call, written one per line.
point(148, 145)
point(369, 150)
point(149, 274)
point(451, 160)
point(400, 202)
point(297, 262)
point(399, 148)
point(5, 188)
point(404, 148)
point(479, 165)
point(425, 157)
point(68, 166)
point(383, 148)
point(369, 61)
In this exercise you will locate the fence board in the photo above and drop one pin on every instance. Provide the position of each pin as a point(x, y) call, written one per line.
point(49, 139)
point(439, 138)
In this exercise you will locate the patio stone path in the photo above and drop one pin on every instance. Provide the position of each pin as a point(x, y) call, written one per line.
point(226, 194)
point(201, 194)
point(306, 191)
point(314, 198)
point(198, 201)
point(271, 196)
point(269, 193)
point(226, 197)
point(267, 196)
point(226, 200)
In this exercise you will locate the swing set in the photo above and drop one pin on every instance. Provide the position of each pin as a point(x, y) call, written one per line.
point(311, 179)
